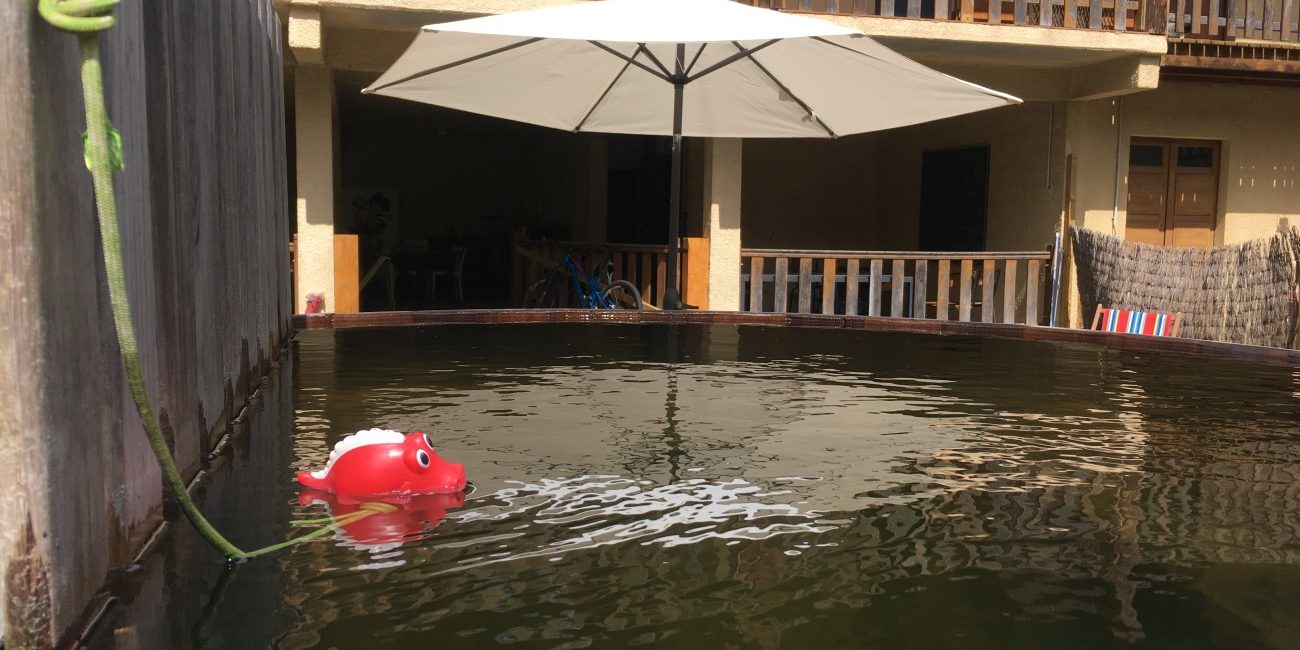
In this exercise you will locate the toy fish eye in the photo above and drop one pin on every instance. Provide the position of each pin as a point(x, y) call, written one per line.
point(422, 458)
point(428, 441)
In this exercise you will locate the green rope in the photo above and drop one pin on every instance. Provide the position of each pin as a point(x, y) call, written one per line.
point(103, 153)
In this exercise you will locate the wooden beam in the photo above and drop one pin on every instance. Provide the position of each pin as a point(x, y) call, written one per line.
point(347, 274)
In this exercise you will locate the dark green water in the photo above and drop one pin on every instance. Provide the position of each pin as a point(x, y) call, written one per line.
point(708, 487)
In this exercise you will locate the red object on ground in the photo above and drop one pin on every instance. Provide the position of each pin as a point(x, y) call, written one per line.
point(414, 515)
point(384, 463)
point(315, 303)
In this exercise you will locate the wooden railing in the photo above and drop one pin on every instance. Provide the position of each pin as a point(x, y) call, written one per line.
point(645, 266)
point(1262, 20)
point(986, 287)
point(1110, 15)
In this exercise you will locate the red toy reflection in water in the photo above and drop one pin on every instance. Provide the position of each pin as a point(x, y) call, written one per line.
point(415, 514)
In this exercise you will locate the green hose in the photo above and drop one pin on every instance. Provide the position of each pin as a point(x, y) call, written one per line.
point(103, 152)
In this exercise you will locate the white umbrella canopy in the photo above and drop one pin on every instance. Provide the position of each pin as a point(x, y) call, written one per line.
point(610, 67)
point(701, 68)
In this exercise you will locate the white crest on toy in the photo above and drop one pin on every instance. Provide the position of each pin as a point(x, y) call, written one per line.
point(359, 439)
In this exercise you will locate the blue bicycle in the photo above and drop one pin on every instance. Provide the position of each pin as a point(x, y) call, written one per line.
point(597, 291)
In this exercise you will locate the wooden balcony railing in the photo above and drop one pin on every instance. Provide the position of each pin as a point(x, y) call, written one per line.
point(987, 287)
point(1110, 15)
point(1260, 20)
point(645, 266)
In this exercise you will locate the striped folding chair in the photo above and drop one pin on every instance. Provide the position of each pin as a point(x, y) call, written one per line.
point(1129, 321)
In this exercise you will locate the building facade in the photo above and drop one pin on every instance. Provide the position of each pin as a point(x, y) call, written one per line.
point(1157, 122)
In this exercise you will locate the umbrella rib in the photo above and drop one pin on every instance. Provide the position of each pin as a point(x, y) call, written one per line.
point(602, 95)
point(873, 57)
point(651, 55)
point(695, 59)
point(631, 59)
point(453, 64)
point(784, 89)
point(731, 59)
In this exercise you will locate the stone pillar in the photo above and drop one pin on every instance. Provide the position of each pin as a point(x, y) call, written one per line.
point(315, 128)
point(722, 222)
point(314, 114)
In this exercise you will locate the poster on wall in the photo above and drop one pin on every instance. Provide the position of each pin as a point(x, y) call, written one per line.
point(373, 214)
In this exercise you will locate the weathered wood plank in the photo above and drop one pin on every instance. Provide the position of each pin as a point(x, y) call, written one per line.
point(967, 11)
point(943, 285)
point(989, 270)
point(647, 283)
point(661, 278)
point(1033, 284)
point(756, 284)
point(780, 285)
point(1009, 290)
point(1070, 19)
point(829, 265)
point(941, 9)
point(919, 287)
point(873, 291)
point(964, 291)
point(1020, 12)
point(896, 285)
point(805, 285)
point(1094, 14)
point(851, 286)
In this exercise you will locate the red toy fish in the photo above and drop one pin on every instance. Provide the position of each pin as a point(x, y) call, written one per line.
point(381, 462)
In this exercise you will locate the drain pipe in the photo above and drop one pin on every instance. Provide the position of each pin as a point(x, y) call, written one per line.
point(1119, 121)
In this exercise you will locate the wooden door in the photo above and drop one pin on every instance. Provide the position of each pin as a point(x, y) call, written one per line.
point(1173, 191)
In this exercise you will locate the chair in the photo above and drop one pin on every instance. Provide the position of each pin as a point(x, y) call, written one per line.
point(453, 270)
point(1128, 321)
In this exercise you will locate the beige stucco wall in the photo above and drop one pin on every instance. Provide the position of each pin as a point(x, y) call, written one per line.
point(810, 193)
point(723, 190)
point(864, 192)
point(1258, 189)
point(315, 135)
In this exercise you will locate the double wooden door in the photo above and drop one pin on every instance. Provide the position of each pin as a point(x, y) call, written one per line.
point(1173, 191)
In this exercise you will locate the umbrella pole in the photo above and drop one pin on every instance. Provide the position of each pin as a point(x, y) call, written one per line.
point(672, 298)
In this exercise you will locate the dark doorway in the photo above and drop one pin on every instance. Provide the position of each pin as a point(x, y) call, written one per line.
point(637, 200)
point(954, 199)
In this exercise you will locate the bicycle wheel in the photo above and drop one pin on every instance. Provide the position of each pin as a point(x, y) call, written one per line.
point(541, 295)
point(622, 295)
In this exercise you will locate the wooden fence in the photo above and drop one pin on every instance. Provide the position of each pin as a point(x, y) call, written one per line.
point(1109, 15)
point(196, 90)
point(1261, 20)
point(985, 287)
point(645, 266)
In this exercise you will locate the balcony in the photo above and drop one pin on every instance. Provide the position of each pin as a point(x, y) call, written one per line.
point(1145, 16)
point(1270, 21)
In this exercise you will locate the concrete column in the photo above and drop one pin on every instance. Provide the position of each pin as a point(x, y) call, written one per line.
point(314, 112)
point(722, 222)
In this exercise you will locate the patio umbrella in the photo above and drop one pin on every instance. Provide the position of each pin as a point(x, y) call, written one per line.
point(698, 68)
